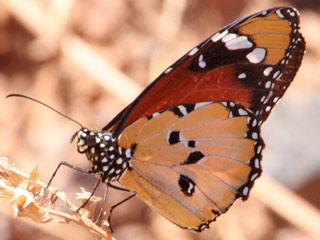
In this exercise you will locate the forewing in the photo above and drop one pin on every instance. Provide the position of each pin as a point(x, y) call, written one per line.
point(251, 61)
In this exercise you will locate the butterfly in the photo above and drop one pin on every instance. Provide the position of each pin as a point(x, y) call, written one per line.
point(190, 144)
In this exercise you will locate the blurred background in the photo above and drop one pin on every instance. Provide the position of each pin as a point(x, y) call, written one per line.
point(90, 58)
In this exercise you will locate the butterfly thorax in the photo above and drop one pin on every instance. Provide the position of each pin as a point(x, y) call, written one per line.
point(101, 148)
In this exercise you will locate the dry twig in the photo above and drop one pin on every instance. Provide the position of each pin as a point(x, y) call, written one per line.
point(26, 196)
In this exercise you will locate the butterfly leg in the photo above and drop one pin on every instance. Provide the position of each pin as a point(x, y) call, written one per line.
point(104, 201)
point(119, 203)
point(82, 170)
point(93, 191)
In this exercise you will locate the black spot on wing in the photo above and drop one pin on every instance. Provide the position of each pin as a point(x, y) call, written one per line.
point(177, 112)
point(191, 144)
point(174, 137)
point(183, 110)
point(186, 184)
point(194, 157)
point(189, 107)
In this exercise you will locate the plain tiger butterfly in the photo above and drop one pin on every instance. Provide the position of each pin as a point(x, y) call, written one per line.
point(189, 145)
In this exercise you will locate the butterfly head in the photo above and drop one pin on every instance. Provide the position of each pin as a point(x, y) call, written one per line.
point(92, 142)
point(102, 150)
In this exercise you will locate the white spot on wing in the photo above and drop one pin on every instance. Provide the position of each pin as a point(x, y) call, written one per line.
point(254, 176)
point(239, 43)
point(248, 120)
point(257, 55)
point(268, 84)
point(254, 122)
point(242, 76)
point(224, 104)
point(276, 74)
point(193, 51)
point(255, 135)
point(128, 153)
point(183, 110)
point(216, 37)
point(124, 165)
point(245, 191)
point(279, 13)
point(268, 108)
point(169, 69)
point(191, 186)
point(229, 37)
point(202, 63)
point(267, 71)
point(200, 104)
point(257, 163)
point(242, 112)
point(259, 149)
point(156, 114)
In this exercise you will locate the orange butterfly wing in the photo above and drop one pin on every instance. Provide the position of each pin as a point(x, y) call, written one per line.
point(190, 144)
point(192, 161)
point(251, 61)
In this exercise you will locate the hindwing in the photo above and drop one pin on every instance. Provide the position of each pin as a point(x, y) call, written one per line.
point(191, 162)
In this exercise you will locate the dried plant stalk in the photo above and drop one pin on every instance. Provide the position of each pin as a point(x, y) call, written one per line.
point(26, 196)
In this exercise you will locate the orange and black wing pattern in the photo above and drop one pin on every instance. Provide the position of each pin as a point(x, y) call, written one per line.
point(192, 161)
point(190, 144)
point(195, 130)
point(251, 61)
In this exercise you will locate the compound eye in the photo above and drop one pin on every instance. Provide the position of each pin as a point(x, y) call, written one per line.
point(91, 140)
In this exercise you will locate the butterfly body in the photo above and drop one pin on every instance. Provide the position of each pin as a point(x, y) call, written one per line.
point(190, 144)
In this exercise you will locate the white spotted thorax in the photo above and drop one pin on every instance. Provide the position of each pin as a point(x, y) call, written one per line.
point(101, 148)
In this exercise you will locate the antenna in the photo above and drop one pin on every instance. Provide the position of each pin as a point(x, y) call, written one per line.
point(35, 100)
